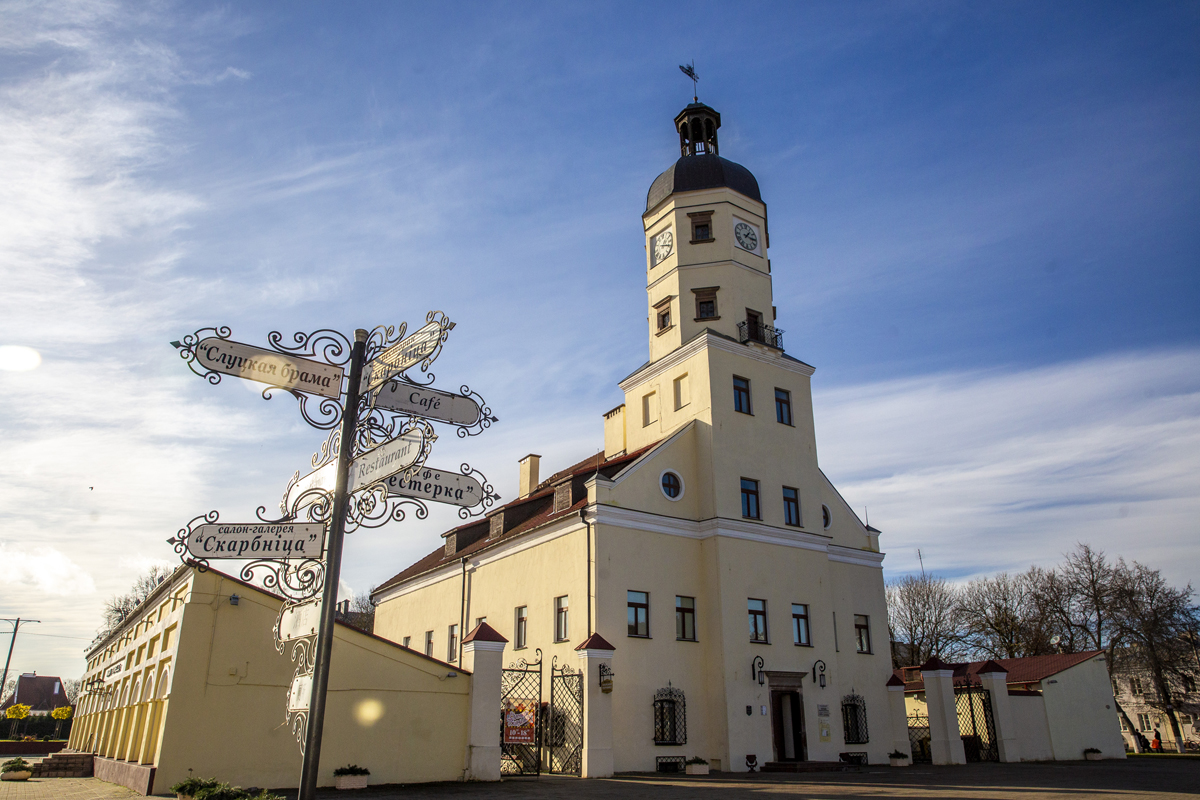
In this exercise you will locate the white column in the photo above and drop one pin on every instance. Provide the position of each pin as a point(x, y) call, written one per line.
point(485, 661)
point(945, 740)
point(899, 714)
point(995, 680)
point(597, 714)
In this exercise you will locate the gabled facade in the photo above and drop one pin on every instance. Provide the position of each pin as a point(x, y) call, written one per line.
point(42, 693)
point(733, 581)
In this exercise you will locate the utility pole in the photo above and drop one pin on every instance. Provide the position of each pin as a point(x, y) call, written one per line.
point(16, 627)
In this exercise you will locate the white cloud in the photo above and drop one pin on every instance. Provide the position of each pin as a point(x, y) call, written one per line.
point(43, 569)
point(1000, 469)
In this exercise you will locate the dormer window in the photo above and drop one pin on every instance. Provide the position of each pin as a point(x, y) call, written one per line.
point(702, 230)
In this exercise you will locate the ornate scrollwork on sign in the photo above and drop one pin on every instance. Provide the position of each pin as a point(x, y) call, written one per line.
point(486, 418)
point(374, 508)
point(180, 540)
point(489, 493)
point(382, 337)
point(187, 350)
point(328, 345)
point(298, 579)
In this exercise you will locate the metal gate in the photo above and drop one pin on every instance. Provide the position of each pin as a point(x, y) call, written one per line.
point(918, 737)
point(520, 718)
point(562, 731)
point(975, 724)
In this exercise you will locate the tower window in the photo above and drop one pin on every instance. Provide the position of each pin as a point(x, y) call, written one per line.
point(706, 303)
point(701, 226)
point(741, 395)
point(783, 406)
point(662, 313)
point(750, 509)
point(791, 506)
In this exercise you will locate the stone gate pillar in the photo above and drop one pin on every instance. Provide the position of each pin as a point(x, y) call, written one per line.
point(594, 653)
point(945, 740)
point(995, 680)
point(483, 656)
point(899, 714)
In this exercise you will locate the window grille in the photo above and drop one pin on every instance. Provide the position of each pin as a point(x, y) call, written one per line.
point(854, 719)
point(670, 716)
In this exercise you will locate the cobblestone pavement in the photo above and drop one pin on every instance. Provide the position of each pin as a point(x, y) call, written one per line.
point(1105, 780)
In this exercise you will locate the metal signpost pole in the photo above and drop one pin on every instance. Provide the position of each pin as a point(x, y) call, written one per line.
point(333, 564)
point(16, 627)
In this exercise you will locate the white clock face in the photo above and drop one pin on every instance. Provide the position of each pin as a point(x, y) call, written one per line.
point(663, 244)
point(746, 237)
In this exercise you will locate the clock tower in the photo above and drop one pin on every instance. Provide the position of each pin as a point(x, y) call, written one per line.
point(706, 245)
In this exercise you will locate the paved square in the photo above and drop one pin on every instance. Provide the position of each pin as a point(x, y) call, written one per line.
point(1116, 780)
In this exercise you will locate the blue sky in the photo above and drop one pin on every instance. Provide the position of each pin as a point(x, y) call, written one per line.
point(983, 226)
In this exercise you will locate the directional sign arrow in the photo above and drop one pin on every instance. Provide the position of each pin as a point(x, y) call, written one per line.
point(267, 366)
point(435, 484)
point(403, 354)
point(431, 403)
point(258, 540)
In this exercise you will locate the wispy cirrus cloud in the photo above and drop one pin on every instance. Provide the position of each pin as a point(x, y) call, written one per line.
point(998, 469)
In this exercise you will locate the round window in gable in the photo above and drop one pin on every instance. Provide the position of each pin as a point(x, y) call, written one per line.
point(672, 485)
point(826, 517)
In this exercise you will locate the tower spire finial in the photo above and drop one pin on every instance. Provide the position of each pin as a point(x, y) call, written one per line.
point(690, 71)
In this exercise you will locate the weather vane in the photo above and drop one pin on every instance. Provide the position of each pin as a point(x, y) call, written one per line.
point(690, 71)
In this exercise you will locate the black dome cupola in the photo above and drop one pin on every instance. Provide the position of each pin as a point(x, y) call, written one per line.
point(697, 125)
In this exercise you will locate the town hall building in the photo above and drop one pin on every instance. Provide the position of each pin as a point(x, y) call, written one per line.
point(726, 599)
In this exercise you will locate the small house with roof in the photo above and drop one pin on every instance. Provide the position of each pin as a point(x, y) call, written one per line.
point(42, 693)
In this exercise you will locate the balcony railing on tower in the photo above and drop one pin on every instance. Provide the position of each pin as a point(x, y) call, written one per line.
point(754, 331)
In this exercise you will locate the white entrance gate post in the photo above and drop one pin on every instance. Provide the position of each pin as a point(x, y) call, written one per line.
point(483, 657)
point(995, 679)
point(595, 652)
point(945, 740)
point(899, 714)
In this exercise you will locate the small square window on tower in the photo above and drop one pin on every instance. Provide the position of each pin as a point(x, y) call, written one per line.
point(702, 229)
point(662, 314)
point(706, 303)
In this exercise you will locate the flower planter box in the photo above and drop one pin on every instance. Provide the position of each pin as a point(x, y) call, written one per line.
point(898, 762)
point(1093, 756)
point(23, 775)
point(696, 769)
point(350, 781)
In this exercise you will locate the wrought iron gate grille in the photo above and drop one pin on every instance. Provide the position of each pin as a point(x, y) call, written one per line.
point(975, 724)
point(918, 737)
point(562, 731)
point(521, 718)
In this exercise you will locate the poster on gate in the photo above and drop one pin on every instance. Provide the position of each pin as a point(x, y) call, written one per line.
point(520, 717)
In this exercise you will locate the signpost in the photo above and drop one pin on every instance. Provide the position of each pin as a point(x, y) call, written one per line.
point(366, 469)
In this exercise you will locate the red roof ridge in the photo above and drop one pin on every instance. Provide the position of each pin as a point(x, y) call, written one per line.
point(595, 642)
point(484, 633)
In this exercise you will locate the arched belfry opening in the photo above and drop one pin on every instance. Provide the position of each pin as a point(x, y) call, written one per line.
point(697, 125)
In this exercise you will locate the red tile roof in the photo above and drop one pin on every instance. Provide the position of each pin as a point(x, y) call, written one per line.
point(595, 642)
point(484, 633)
point(38, 692)
point(472, 537)
point(1030, 669)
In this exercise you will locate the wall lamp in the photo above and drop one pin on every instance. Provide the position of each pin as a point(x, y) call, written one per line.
point(756, 671)
point(233, 599)
point(819, 673)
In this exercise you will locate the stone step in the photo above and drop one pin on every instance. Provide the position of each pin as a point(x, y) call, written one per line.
point(804, 766)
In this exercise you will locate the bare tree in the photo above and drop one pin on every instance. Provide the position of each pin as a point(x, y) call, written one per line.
point(1158, 622)
point(71, 688)
point(361, 613)
point(120, 606)
point(922, 619)
point(1003, 618)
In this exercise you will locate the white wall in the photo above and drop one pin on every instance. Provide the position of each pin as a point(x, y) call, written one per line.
point(1033, 732)
point(1081, 712)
